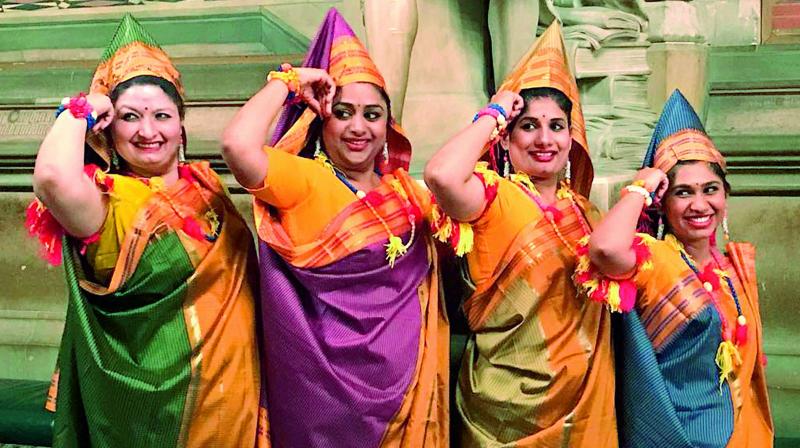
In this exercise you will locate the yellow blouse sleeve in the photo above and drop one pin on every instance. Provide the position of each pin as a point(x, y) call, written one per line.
point(128, 196)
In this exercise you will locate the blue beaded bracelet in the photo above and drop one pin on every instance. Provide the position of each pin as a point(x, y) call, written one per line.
point(498, 108)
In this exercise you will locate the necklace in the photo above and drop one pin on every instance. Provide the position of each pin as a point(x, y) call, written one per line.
point(727, 352)
point(395, 247)
point(552, 214)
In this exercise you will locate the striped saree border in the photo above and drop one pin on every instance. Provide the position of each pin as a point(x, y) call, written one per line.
point(530, 247)
point(352, 229)
point(158, 216)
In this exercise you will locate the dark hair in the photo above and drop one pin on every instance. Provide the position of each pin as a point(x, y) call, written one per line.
point(315, 128)
point(148, 80)
point(528, 95)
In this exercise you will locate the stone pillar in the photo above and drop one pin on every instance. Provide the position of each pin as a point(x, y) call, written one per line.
point(678, 56)
point(391, 27)
point(677, 65)
point(512, 26)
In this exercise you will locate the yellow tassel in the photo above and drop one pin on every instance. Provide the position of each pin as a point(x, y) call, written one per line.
point(213, 221)
point(435, 215)
point(727, 357)
point(397, 186)
point(322, 159)
point(465, 239)
point(444, 231)
point(394, 248)
point(523, 179)
point(583, 264)
point(613, 296)
point(489, 176)
point(157, 184)
point(646, 266)
point(647, 239)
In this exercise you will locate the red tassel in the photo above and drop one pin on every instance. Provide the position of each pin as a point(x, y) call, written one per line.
point(641, 250)
point(583, 277)
point(192, 228)
point(741, 334)
point(601, 293)
point(627, 295)
point(709, 276)
point(455, 235)
point(184, 172)
point(555, 213)
point(42, 225)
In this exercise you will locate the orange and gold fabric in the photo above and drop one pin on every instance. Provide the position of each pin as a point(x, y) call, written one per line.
point(538, 370)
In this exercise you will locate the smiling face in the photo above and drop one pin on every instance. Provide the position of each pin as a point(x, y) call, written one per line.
point(356, 131)
point(695, 202)
point(540, 141)
point(146, 130)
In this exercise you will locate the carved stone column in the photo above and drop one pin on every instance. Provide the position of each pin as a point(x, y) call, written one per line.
point(679, 54)
point(512, 26)
point(391, 27)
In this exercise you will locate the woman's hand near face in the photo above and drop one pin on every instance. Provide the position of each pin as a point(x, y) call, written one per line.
point(510, 101)
point(654, 181)
point(101, 104)
point(317, 89)
point(245, 136)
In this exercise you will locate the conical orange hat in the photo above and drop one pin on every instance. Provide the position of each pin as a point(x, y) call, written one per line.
point(336, 49)
point(546, 65)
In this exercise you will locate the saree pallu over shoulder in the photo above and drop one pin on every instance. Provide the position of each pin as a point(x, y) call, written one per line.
point(669, 392)
point(538, 371)
point(166, 354)
point(356, 351)
point(353, 228)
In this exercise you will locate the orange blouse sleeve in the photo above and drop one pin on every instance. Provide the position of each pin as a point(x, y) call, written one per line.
point(496, 228)
point(306, 194)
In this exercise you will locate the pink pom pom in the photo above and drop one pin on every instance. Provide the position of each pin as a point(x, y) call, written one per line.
point(192, 228)
point(373, 198)
point(741, 334)
point(627, 295)
point(184, 172)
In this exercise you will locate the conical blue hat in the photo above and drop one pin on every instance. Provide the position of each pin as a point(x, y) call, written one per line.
point(677, 115)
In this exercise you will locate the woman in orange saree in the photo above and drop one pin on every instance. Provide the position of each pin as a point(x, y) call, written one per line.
point(159, 345)
point(689, 354)
point(355, 338)
point(538, 369)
